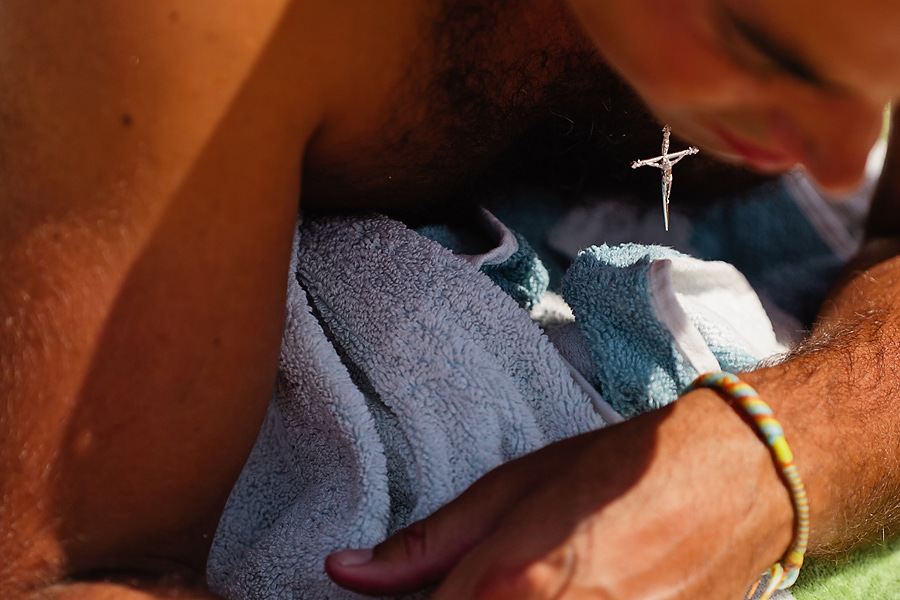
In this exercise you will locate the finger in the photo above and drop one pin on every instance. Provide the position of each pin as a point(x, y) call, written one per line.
point(424, 552)
point(416, 556)
point(413, 558)
point(494, 571)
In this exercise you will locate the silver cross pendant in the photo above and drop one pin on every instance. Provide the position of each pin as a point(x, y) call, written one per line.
point(665, 163)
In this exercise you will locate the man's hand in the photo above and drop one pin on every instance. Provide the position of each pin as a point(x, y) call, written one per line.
point(680, 503)
point(685, 502)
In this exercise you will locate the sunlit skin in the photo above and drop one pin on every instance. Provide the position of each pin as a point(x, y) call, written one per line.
point(150, 169)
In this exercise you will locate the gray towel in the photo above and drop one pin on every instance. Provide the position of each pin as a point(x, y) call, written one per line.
point(405, 375)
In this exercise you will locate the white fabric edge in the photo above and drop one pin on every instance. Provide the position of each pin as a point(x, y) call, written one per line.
point(685, 335)
point(696, 283)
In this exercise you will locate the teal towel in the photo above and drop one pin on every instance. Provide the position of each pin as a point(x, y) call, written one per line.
point(653, 319)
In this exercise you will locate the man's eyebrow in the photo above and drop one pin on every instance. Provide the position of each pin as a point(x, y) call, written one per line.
point(781, 56)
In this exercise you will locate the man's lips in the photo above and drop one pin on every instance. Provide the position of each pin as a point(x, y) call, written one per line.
point(755, 156)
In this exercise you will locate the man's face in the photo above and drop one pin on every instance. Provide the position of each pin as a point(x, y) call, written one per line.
point(768, 82)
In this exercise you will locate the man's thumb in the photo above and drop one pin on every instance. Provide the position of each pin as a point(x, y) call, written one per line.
point(426, 551)
point(411, 559)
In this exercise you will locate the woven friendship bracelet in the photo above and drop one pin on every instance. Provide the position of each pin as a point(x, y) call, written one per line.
point(784, 573)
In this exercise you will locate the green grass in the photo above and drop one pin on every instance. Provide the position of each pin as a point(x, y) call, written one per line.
point(871, 573)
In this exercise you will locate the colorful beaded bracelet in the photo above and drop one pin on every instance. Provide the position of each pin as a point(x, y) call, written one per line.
point(784, 573)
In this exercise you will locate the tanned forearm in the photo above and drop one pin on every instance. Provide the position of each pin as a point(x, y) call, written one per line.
point(837, 399)
point(145, 230)
point(839, 394)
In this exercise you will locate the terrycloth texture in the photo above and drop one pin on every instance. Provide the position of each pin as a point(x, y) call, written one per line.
point(512, 265)
point(405, 375)
point(652, 319)
point(800, 245)
point(787, 237)
point(522, 276)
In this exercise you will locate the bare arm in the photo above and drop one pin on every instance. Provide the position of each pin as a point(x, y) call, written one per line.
point(150, 178)
point(685, 502)
point(173, 589)
point(848, 373)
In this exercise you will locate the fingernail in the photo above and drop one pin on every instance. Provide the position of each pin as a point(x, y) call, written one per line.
point(352, 558)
